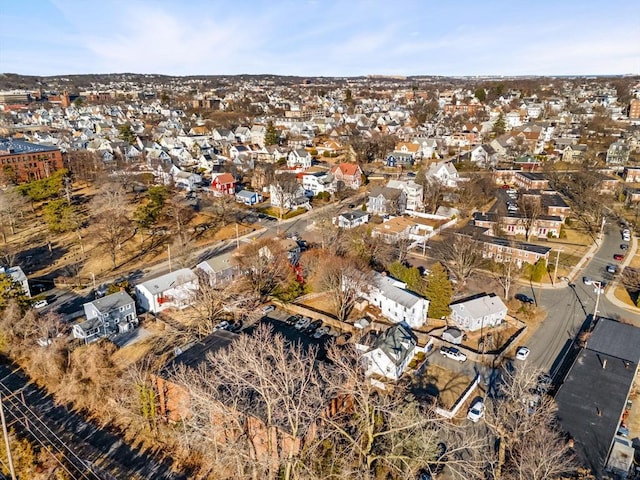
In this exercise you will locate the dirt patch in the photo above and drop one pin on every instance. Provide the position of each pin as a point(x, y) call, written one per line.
point(439, 383)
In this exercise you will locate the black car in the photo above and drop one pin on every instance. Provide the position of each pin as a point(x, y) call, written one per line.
point(313, 326)
point(293, 319)
point(524, 299)
point(624, 246)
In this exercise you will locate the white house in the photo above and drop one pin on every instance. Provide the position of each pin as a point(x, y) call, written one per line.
point(413, 191)
point(185, 179)
point(18, 276)
point(299, 158)
point(391, 352)
point(396, 303)
point(173, 290)
point(221, 268)
point(480, 312)
point(248, 197)
point(317, 182)
point(351, 219)
point(288, 199)
point(444, 172)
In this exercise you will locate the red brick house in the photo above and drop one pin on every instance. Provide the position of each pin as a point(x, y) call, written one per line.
point(349, 173)
point(23, 161)
point(223, 184)
point(531, 181)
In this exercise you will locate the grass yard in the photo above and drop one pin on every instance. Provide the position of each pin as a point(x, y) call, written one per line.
point(439, 383)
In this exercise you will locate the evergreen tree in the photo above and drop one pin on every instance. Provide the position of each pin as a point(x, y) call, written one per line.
point(12, 290)
point(499, 126)
point(126, 133)
point(271, 135)
point(409, 275)
point(438, 291)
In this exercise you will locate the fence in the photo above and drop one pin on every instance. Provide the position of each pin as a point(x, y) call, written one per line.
point(460, 401)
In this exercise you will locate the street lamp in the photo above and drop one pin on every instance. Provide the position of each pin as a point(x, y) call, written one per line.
point(93, 278)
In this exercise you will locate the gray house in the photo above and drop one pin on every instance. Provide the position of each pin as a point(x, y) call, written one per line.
point(391, 353)
point(386, 201)
point(115, 313)
point(221, 268)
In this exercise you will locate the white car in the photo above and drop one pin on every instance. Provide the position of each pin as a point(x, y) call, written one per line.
point(223, 325)
point(321, 332)
point(522, 353)
point(302, 323)
point(268, 308)
point(476, 412)
point(40, 304)
point(587, 281)
point(453, 354)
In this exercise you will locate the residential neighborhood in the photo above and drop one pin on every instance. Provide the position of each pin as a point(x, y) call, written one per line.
point(252, 261)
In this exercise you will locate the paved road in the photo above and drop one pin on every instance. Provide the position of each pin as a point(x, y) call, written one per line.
point(569, 307)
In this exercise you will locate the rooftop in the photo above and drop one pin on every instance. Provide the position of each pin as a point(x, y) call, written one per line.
point(111, 302)
point(170, 280)
point(12, 146)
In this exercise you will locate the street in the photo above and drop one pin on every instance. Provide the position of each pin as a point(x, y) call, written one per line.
point(569, 307)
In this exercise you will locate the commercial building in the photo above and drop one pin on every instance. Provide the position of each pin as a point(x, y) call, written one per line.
point(23, 161)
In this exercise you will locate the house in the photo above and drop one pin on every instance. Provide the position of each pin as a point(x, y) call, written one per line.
point(18, 276)
point(351, 219)
point(478, 312)
point(484, 155)
point(631, 175)
point(248, 197)
point(394, 230)
point(617, 154)
point(349, 173)
point(593, 398)
point(397, 303)
point(290, 247)
point(443, 172)
point(574, 153)
point(299, 158)
point(543, 226)
point(173, 290)
point(391, 352)
point(317, 182)
point(386, 201)
point(413, 191)
point(223, 184)
point(221, 268)
point(187, 180)
point(278, 196)
point(115, 313)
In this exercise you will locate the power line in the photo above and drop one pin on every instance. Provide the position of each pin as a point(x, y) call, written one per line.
point(37, 423)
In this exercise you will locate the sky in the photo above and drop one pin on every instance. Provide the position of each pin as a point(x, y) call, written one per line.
point(320, 37)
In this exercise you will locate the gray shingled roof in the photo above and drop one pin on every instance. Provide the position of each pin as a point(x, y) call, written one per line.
point(396, 342)
point(616, 339)
point(170, 280)
point(387, 285)
point(479, 307)
point(112, 302)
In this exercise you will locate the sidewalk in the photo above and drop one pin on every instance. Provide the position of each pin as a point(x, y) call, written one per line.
point(610, 293)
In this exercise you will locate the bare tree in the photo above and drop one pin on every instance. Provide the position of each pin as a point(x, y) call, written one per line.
point(530, 209)
point(283, 191)
point(345, 279)
point(11, 207)
point(266, 265)
point(378, 433)
point(507, 273)
point(110, 221)
point(461, 255)
point(267, 394)
point(521, 417)
point(221, 301)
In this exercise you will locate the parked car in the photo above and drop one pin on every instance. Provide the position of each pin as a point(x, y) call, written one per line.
point(523, 298)
point(321, 332)
point(223, 325)
point(476, 412)
point(619, 257)
point(612, 269)
point(522, 353)
point(587, 281)
point(624, 246)
point(293, 319)
point(313, 326)
point(453, 353)
point(302, 323)
point(268, 308)
point(40, 304)
point(235, 327)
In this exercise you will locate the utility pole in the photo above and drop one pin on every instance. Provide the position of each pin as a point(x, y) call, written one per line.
point(237, 239)
point(599, 289)
point(169, 255)
point(6, 440)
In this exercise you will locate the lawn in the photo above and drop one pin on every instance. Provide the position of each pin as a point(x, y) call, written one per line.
point(439, 383)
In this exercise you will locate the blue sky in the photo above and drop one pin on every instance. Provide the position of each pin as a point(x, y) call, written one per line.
point(320, 37)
